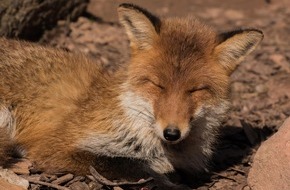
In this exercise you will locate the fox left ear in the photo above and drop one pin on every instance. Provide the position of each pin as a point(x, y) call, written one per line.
point(234, 46)
point(141, 26)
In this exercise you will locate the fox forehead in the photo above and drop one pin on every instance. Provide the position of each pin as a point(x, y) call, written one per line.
point(186, 37)
point(182, 52)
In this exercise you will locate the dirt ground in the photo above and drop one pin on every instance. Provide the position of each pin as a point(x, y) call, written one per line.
point(260, 86)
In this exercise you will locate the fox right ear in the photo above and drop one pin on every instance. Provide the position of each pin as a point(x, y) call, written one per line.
point(234, 46)
point(141, 26)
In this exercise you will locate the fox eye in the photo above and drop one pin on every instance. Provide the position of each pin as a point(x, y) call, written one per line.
point(199, 88)
point(154, 83)
point(158, 85)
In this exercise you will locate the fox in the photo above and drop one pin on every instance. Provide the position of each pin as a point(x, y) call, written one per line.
point(159, 113)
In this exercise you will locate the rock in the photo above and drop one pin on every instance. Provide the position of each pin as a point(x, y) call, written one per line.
point(271, 165)
point(281, 61)
point(261, 88)
point(28, 19)
point(6, 185)
point(22, 168)
point(9, 180)
point(79, 186)
point(95, 185)
point(246, 188)
point(117, 188)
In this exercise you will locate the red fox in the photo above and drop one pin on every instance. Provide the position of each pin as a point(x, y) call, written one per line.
point(159, 113)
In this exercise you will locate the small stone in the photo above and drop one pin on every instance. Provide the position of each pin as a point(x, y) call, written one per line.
point(117, 188)
point(280, 60)
point(95, 185)
point(79, 186)
point(277, 58)
point(261, 89)
point(246, 188)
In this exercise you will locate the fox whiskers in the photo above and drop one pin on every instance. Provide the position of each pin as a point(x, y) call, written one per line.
point(144, 115)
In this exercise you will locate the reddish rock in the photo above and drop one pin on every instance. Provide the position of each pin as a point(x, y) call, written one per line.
point(271, 166)
point(22, 168)
point(9, 180)
point(6, 185)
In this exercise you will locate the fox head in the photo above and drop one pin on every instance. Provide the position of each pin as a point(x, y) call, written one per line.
point(179, 70)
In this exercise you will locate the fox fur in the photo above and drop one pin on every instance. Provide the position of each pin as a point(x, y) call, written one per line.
point(66, 113)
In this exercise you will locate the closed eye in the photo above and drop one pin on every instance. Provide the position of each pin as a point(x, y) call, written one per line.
point(194, 89)
point(158, 85)
point(154, 83)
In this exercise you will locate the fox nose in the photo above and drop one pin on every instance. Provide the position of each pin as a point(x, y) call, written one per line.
point(171, 133)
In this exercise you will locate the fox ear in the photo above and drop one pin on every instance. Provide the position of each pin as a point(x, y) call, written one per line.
point(234, 46)
point(141, 26)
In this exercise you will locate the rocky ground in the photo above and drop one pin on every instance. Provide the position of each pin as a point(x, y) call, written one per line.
point(260, 86)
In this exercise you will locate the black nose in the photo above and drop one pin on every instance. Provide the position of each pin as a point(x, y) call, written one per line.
point(171, 133)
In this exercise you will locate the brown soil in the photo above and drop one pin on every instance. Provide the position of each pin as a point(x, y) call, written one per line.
point(260, 86)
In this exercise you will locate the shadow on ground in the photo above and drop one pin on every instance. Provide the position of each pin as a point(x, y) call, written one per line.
point(234, 148)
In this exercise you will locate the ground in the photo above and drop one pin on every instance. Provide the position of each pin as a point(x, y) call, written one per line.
point(260, 86)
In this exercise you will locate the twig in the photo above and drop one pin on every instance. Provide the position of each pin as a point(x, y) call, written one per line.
point(75, 179)
point(63, 179)
point(212, 184)
point(237, 170)
point(47, 184)
point(102, 180)
point(223, 176)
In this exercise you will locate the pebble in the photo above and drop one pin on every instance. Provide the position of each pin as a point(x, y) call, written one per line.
point(79, 186)
point(261, 88)
point(117, 188)
point(281, 61)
